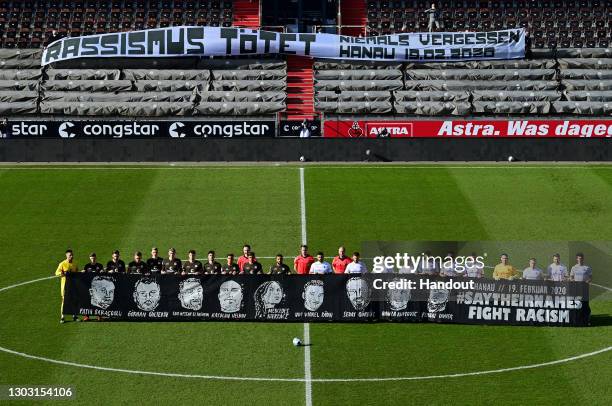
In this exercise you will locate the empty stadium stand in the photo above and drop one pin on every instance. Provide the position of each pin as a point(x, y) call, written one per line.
point(233, 87)
point(29, 24)
point(551, 23)
point(570, 72)
point(577, 84)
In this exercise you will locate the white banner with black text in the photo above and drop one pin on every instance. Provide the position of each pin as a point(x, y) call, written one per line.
point(217, 41)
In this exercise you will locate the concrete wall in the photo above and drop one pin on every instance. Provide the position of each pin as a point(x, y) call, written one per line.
point(290, 149)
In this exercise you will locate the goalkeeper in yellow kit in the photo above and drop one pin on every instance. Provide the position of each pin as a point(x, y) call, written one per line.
point(504, 270)
point(68, 265)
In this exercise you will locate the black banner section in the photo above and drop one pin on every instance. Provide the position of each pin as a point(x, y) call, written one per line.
point(140, 129)
point(339, 298)
point(293, 128)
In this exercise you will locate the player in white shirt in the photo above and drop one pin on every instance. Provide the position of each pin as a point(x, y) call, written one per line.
point(581, 272)
point(356, 266)
point(429, 266)
point(320, 266)
point(448, 266)
point(385, 269)
point(405, 269)
point(473, 269)
point(557, 271)
point(532, 272)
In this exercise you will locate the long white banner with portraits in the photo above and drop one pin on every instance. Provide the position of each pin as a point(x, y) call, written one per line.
point(217, 41)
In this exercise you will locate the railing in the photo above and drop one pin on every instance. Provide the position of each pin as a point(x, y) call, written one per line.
point(336, 29)
point(275, 28)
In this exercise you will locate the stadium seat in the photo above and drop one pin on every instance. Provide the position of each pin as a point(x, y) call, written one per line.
point(407, 96)
point(214, 96)
point(168, 85)
point(115, 108)
point(481, 74)
point(585, 74)
point(19, 84)
point(586, 84)
point(119, 97)
point(14, 108)
point(18, 96)
point(255, 75)
point(598, 96)
point(365, 85)
point(433, 108)
point(163, 74)
point(442, 85)
point(491, 95)
point(87, 85)
point(359, 74)
point(248, 85)
point(83, 74)
point(584, 108)
point(23, 74)
point(511, 107)
point(353, 96)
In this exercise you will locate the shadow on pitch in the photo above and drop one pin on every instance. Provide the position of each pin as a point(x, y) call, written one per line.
point(600, 320)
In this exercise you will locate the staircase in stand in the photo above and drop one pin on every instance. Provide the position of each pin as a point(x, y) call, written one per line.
point(300, 88)
point(353, 12)
point(246, 13)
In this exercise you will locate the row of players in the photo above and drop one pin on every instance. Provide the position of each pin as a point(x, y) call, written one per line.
point(304, 263)
point(247, 263)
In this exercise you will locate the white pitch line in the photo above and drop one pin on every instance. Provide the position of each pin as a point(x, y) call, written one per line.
point(464, 374)
point(394, 166)
point(137, 372)
point(320, 380)
point(602, 286)
point(27, 283)
point(306, 335)
point(303, 206)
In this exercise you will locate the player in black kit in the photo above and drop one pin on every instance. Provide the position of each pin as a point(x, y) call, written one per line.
point(155, 263)
point(93, 265)
point(192, 266)
point(252, 267)
point(231, 268)
point(211, 266)
point(115, 265)
point(138, 266)
point(279, 267)
point(171, 265)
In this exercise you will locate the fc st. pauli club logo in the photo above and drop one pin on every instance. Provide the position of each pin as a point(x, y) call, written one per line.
point(355, 130)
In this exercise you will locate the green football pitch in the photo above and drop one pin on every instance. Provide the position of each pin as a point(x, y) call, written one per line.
point(46, 209)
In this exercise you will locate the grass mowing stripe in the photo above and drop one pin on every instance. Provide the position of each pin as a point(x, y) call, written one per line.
point(411, 216)
point(124, 197)
point(545, 206)
point(222, 211)
point(540, 205)
point(395, 205)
